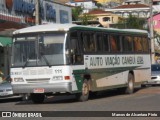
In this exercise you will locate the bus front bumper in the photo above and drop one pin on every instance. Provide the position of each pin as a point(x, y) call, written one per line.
point(48, 88)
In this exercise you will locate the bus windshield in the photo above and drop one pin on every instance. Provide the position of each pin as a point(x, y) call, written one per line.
point(38, 50)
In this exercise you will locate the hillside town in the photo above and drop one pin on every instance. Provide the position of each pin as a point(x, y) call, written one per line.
point(16, 14)
point(80, 58)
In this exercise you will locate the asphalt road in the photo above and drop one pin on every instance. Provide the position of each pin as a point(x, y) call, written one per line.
point(144, 99)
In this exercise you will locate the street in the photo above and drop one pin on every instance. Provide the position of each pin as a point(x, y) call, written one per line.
point(144, 99)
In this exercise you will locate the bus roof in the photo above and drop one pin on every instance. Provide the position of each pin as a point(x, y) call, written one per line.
point(45, 28)
point(66, 27)
point(109, 30)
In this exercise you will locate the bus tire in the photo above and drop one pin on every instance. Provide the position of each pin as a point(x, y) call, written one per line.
point(130, 84)
point(37, 98)
point(84, 95)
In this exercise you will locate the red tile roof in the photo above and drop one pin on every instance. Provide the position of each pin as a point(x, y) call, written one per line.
point(97, 12)
point(61, 1)
point(81, 0)
point(131, 6)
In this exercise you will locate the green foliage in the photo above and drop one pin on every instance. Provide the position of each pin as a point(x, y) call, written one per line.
point(134, 22)
point(99, 5)
point(76, 12)
point(131, 22)
point(85, 18)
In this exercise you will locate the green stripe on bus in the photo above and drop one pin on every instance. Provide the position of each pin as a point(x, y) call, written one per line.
point(97, 74)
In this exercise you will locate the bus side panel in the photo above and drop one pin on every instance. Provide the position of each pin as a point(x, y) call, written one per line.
point(141, 76)
point(77, 77)
point(112, 81)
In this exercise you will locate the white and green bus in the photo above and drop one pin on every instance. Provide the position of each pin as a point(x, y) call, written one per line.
point(71, 59)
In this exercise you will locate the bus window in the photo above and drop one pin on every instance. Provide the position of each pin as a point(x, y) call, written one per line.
point(115, 43)
point(145, 44)
point(106, 43)
point(99, 42)
point(89, 43)
point(138, 44)
point(76, 56)
point(127, 43)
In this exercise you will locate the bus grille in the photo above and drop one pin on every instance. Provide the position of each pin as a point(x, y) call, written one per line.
point(38, 72)
point(44, 80)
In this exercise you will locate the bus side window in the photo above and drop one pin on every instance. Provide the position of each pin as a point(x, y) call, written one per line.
point(115, 43)
point(99, 39)
point(89, 43)
point(92, 46)
point(76, 56)
point(145, 44)
point(138, 44)
point(127, 43)
point(106, 43)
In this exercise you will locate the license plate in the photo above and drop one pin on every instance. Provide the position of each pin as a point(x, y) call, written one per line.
point(4, 94)
point(38, 90)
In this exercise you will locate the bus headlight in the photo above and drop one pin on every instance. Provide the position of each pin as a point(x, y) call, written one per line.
point(57, 78)
point(18, 80)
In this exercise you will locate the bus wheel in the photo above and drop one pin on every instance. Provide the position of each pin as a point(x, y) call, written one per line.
point(130, 85)
point(37, 98)
point(83, 96)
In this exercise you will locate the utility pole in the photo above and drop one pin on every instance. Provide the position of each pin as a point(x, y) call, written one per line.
point(37, 11)
point(152, 34)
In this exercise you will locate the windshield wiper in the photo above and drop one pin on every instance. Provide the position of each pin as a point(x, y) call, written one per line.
point(45, 59)
point(27, 61)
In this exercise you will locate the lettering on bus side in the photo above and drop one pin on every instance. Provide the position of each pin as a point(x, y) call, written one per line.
point(140, 60)
point(96, 61)
point(128, 60)
point(115, 61)
point(112, 60)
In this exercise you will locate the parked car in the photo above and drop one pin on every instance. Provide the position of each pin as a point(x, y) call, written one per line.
point(155, 74)
point(6, 91)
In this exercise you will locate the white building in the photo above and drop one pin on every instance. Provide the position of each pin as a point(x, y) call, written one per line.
point(138, 10)
point(22, 11)
point(156, 3)
point(15, 14)
point(85, 4)
point(146, 2)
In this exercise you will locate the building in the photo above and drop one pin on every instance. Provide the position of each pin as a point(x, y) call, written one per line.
point(86, 5)
point(156, 5)
point(23, 11)
point(16, 14)
point(101, 18)
point(105, 1)
point(62, 1)
point(156, 22)
point(156, 2)
point(146, 2)
point(105, 18)
point(138, 10)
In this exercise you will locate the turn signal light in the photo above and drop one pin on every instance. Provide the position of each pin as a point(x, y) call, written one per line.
point(66, 77)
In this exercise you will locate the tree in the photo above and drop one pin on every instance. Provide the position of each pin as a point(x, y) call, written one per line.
point(99, 5)
point(76, 12)
point(84, 18)
point(131, 22)
point(135, 22)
